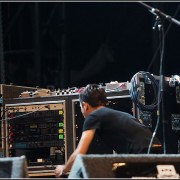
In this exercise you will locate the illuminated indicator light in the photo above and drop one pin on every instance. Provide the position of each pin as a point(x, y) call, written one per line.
point(11, 116)
point(61, 136)
point(61, 124)
point(60, 111)
point(60, 130)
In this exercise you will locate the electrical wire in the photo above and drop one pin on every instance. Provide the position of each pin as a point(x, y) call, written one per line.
point(135, 92)
point(135, 96)
point(165, 34)
point(6, 119)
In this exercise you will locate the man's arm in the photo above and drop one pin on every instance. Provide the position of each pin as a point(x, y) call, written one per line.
point(82, 148)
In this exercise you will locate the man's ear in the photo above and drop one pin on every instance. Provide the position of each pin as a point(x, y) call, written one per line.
point(86, 106)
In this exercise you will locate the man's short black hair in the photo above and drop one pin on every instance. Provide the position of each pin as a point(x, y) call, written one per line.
point(94, 95)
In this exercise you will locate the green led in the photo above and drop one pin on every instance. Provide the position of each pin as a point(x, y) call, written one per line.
point(61, 124)
point(61, 136)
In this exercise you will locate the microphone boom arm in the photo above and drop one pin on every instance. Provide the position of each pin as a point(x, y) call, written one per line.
point(156, 12)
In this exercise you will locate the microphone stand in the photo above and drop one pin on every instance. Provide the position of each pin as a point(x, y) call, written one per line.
point(156, 12)
point(160, 109)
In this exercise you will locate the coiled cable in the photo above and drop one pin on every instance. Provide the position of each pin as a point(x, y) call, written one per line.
point(135, 91)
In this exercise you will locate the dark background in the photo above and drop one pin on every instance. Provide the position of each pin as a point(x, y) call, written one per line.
point(67, 44)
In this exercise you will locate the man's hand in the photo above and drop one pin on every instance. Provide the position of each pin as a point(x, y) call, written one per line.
point(59, 170)
point(86, 138)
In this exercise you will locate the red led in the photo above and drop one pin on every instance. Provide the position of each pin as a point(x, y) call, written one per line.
point(11, 134)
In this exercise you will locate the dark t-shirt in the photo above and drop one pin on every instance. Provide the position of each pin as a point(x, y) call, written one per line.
point(119, 130)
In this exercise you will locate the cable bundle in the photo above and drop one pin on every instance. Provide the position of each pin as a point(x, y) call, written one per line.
point(134, 93)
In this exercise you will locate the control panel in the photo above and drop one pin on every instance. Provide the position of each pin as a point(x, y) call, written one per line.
point(37, 131)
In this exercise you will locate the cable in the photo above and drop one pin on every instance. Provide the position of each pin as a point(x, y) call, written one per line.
point(6, 119)
point(161, 86)
point(167, 30)
point(154, 133)
point(135, 91)
point(158, 90)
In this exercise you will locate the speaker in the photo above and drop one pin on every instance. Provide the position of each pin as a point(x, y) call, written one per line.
point(13, 167)
point(126, 166)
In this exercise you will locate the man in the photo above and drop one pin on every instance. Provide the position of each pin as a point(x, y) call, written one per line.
point(122, 132)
